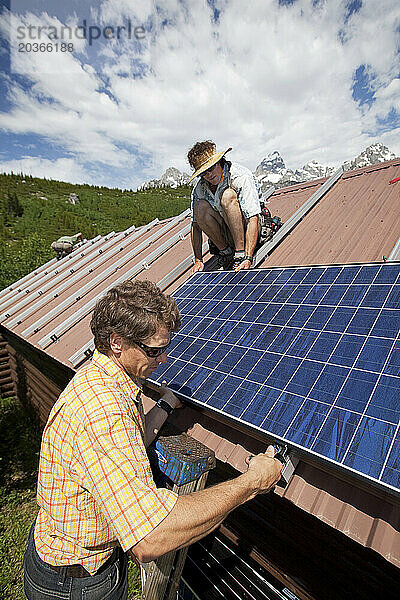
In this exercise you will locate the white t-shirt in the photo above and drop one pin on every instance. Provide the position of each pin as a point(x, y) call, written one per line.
point(241, 180)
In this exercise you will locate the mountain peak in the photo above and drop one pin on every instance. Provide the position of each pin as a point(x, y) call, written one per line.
point(269, 172)
point(272, 169)
point(375, 153)
point(171, 178)
point(272, 163)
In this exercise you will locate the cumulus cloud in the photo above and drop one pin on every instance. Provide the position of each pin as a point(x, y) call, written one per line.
point(62, 169)
point(259, 77)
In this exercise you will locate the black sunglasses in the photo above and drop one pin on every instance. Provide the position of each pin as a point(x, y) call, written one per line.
point(152, 351)
point(209, 169)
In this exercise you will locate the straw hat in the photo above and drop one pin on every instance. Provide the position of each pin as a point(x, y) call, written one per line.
point(205, 160)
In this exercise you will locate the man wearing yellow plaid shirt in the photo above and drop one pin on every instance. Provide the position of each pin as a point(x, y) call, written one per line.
point(98, 501)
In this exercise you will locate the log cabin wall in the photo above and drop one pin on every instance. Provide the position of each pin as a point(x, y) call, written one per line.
point(7, 385)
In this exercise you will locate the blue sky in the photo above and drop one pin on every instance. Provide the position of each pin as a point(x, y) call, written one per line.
point(313, 79)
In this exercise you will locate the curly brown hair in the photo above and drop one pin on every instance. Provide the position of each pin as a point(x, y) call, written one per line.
point(198, 149)
point(135, 310)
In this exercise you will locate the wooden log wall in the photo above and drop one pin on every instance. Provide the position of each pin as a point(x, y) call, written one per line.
point(7, 384)
point(33, 387)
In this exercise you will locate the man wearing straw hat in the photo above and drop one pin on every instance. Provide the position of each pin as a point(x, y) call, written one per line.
point(225, 206)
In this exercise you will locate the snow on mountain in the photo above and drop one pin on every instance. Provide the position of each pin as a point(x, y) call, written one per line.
point(316, 170)
point(375, 153)
point(174, 178)
point(273, 164)
point(171, 178)
point(272, 170)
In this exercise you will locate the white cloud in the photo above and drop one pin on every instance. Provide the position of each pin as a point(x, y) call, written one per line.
point(261, 78)
point(62, 169)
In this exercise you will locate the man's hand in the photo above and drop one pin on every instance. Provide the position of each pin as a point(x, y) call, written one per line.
point(198, 266)
point(196, 515)
point(168, 396)
point(244, 265)
point(266, 468)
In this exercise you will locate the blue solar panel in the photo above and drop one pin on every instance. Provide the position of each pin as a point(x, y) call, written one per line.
point(310, 355)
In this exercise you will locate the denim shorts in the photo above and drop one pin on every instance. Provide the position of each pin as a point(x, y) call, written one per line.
point(42, 583)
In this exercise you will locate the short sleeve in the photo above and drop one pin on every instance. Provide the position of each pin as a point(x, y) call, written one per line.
point(248, 197)
point(117, 473)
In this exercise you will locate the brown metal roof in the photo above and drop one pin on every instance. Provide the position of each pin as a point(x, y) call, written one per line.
point(357, 220)
point(285, 201)
point(52, 308)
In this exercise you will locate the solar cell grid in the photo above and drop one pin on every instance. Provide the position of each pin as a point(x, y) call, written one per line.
point(310, 355)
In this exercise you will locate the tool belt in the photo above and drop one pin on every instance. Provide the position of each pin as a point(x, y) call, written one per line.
point(267, 226)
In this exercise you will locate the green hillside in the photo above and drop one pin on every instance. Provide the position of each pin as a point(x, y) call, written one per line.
point(35, 212)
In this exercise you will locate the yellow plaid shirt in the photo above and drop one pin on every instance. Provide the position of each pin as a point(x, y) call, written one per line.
point(95, 486)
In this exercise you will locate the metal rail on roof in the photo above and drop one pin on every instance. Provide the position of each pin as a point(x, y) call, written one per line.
point(58, 290)
point(17, 284)
point(179, 269)
point(176, 272)
point(130, 230)
point(39, 289)
point(84, 352)
point(32, 283)
point(268, 192)
point(144, 264)
point(291, 223)
point(67, 282)
point(33, 276)
point(87, 349)
point(395, 253)
point(92, 283)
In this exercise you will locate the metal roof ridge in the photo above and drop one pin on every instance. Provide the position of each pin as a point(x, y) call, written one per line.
point(47, 339)
point(291, 223)
point(42, 277)
point(371, 168)
point(92, 283)
point(300, 185)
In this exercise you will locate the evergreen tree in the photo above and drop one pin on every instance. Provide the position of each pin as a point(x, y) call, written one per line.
point(12, 207)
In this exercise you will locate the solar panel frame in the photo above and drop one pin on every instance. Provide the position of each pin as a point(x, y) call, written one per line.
point(330, 320)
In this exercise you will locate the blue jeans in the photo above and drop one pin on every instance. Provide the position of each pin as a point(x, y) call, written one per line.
point(42, 583)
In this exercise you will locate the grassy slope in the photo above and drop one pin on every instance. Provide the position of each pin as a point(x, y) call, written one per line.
point(19, 452)
point(25, 241)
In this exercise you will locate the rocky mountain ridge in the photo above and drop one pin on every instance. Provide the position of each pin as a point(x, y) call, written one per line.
point(172, 178)
point(272, 170)
point(375, 153)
